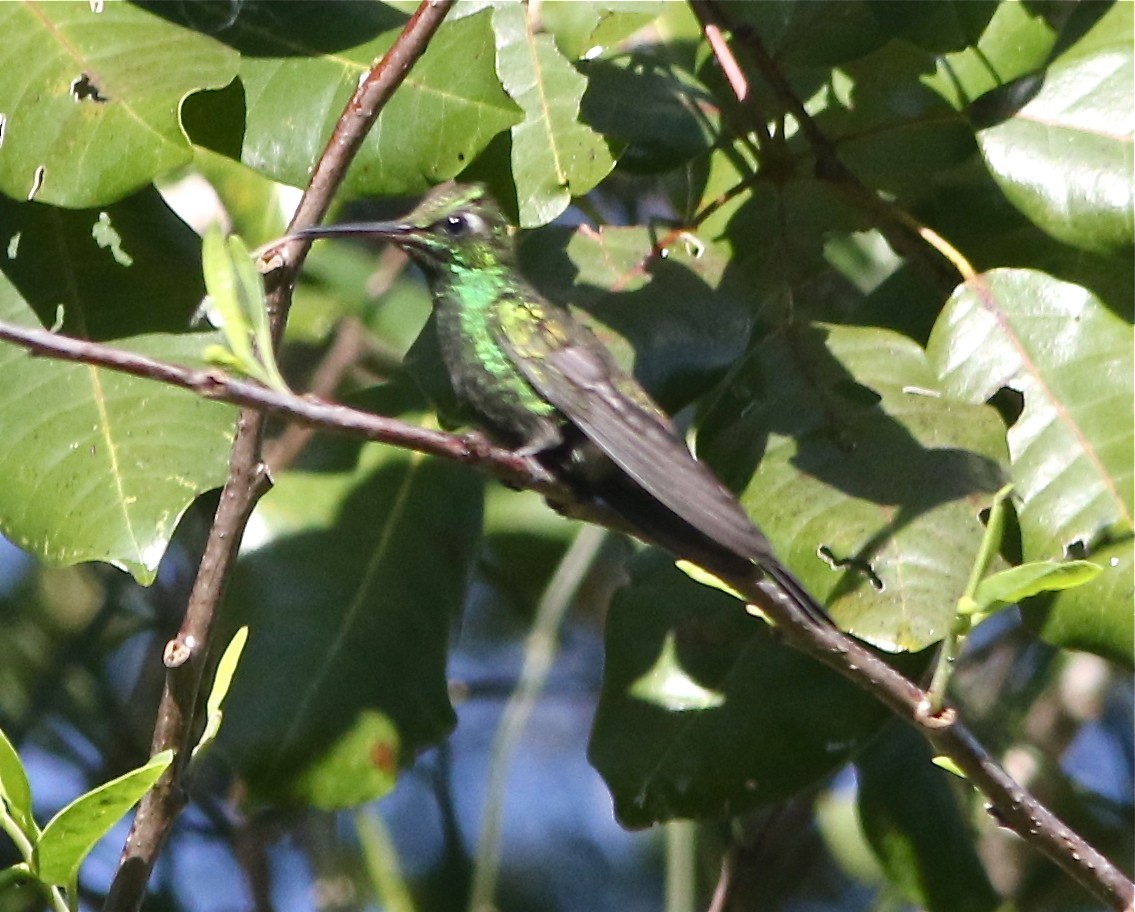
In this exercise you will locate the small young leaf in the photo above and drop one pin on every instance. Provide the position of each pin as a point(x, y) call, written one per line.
point(221, 284)
point(75, 830)
point(1010, 586)
point(237, 295)
point(222, 680)
point(15, 792)
point(703, 576)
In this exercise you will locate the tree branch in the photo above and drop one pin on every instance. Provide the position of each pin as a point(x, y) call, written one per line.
point(186, 656)
point(1011, 804)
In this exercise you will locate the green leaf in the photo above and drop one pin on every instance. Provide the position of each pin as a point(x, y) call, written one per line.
point(554, 156)
point(302, 61)
point(804, 33)
point(667, 685)
point(71, 834)
point(703, 576)
point(943, 26)
point(1017, 583)
point(237, 294)
point(769, 722)
point(91, 98)
point(1097, 616)
point(1015, 41)
point(1060, 143)
point(351, 611)
point(866, 478)
point(99, 465)
point(222, 680)
point(894, 132)
point(1071, 360)
point(666, 115)
point(359, 766)
point(15, 793)
point(586, 28)
point(916, 829)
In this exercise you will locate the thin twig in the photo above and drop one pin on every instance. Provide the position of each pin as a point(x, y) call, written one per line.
point(309, 411)
point(186, 655)
point(899, 227)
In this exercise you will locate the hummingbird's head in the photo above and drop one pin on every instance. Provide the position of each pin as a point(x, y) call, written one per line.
point(455, 227)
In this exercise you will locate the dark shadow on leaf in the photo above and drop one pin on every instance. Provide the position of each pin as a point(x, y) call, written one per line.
point(262, 28)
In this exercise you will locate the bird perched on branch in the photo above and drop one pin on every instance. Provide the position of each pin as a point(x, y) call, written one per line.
point(541, 382)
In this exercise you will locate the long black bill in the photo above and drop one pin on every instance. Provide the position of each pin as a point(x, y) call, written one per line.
point(392, 230)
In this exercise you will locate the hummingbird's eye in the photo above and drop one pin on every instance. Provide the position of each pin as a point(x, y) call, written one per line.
point(460, 224)
point(456, 225)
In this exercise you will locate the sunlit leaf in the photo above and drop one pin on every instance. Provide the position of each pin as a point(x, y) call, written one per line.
point(99, 465)
point(71, 834)
point(554, 155)
point(15, 793)
point(866, 477)
point(1060, 143)
point(96, 117)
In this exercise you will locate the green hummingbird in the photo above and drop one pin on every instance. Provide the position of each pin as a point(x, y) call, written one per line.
point(542, 383)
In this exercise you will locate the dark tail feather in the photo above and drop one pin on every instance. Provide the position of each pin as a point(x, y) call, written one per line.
point(660, 525)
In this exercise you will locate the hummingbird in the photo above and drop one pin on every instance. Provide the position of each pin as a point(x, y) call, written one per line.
point(541, 383)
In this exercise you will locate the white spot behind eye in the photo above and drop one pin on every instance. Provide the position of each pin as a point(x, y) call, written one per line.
point(475, 222)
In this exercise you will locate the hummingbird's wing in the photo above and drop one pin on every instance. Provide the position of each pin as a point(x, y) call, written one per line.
point(572, 370)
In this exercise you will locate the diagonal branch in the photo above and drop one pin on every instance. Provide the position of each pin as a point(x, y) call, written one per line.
point(1013, 806)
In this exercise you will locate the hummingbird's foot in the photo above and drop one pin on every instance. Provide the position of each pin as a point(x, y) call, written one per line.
point(547, 437)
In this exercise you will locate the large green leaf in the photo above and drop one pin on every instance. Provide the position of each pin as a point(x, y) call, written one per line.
point(801, 32)
point(915, 826)
point(893, 131)
point(1072, 360)
point(1060, 143)
point(870, 479)
point(90, 98)
point(302, 61)
point(752, 723)
point(71, 834)
point(554, 156)
point(350, 602)
point(1095, 617)
point(1012, 42)
point(99, 465)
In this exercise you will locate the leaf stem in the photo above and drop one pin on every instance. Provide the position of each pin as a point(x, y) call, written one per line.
point(963, 619)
